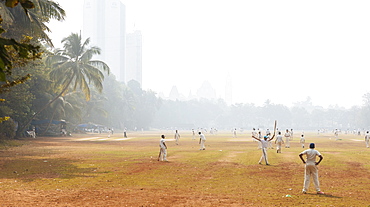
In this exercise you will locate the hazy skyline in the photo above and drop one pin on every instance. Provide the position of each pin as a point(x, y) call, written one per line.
point(278, 50)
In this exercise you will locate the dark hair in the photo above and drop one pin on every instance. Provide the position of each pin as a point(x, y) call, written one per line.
point(162, 136)
point(199, 132)
point(312, 145)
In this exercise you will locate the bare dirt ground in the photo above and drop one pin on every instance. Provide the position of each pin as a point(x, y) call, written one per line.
point(93, 170)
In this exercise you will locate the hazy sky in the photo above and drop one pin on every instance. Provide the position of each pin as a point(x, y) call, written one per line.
point(278, 50)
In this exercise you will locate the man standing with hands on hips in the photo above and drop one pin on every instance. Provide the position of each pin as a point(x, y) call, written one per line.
point(311, 168)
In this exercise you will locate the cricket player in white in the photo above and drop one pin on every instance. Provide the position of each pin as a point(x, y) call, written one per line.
point(202, 140)
point(302, 141)
point(336, 134)
point(264, 143)
point(279, 141)
point(367, 138)
point(254, 134)
point(287, 138)
point(177, 137)
point(193, 134)
point(163, 149)
point(311, 168)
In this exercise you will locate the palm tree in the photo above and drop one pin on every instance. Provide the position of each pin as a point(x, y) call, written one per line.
point(23, 19)
point(73, 69)
point(64, 107)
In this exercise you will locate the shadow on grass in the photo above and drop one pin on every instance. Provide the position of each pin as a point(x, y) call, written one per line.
point(33, 169)
point(324, 195)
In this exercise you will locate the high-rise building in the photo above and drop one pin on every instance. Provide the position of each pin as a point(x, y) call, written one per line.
point(134, 57)
point(104, 23)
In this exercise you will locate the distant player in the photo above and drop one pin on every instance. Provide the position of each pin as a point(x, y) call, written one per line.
point(163, 149)
point(291, 134)
point(177, 137)
point(268, 133)
point(193, 134)
point(367, 138)
point(287, 138)
point(254, 133)
point(264, 143)
point(202, 140)
point(234, 133)
point(336, 134)
point(279, 141)
point(302, 140)
point(311, 168)
point(109, 132)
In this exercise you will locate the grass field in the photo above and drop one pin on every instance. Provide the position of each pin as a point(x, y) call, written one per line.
point(92, 170)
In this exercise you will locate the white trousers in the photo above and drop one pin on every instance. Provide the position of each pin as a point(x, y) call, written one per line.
point(278, 147)
point(287, 142)
point(163, 156)
point(367, 143)
point(202, 146)
point(264, 156)
point(311, 171)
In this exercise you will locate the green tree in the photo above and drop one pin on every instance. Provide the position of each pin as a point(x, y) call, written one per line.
point(73, 69)
point(29, 18)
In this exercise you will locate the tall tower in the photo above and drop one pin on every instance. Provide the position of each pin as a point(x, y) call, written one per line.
point(104, 23)
point(134, 57)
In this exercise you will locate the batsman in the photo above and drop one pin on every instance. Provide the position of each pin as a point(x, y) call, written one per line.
point(264, 143)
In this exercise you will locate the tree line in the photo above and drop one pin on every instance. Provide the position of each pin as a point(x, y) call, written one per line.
point(40, 82)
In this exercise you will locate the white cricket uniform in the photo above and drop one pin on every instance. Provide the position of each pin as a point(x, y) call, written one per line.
point(163, 155)
point(254, 134)
point(302, 141)
point(367, 139)
point(279, 140)
point(311, 169)
point(287, 139)
point(202, 141)
point(264, 144)
point(177, 136)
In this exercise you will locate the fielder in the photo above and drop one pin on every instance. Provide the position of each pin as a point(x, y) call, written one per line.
point(163, 149)
point(336, 134)
point(177, 137)
point(287, 138)
point(254, 134)
point(202, 140)
point(193, 134)
point(279, 141)
point(302, 141)
point(367, 138)
point(234, 133)
point(311, 168)
point(264, 143)
point(291, 134)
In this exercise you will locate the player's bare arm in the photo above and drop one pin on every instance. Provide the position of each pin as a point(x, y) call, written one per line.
point(301, 156)
point(318, 162)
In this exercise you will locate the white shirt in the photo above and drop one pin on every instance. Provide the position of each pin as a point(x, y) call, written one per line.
point(367, 136)
point(202, 137)
point(287, 134)
point(279, 138)
point(264, 143)
point(162, 143)
point(311, 155)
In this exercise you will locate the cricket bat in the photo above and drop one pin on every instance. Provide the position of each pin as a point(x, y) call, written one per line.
point(275, 123)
